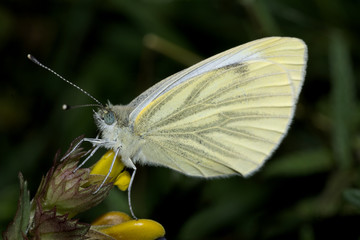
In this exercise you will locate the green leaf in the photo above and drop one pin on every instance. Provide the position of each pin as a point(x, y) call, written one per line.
point(17, 228)
point(343, 98)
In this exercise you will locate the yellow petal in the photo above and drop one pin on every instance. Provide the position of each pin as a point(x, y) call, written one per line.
point(112, 218)
point(141, 229)
point(102, 166)
point(123, 180)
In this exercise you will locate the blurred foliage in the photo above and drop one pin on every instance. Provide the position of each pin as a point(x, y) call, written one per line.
point(116, 49)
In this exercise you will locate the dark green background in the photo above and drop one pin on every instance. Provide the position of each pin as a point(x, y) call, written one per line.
point(307, 190)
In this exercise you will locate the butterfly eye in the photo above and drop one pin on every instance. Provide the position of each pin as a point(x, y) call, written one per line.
point(109, 118)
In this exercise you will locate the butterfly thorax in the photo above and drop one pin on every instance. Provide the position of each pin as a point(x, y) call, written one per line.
point(113, 124)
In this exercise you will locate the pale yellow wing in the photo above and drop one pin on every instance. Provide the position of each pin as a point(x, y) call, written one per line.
point(227, 119)
point(291, 53)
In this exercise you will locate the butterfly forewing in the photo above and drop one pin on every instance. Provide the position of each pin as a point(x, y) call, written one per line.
point(290, 53)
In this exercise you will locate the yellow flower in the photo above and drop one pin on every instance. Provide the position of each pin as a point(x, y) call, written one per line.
point(64, 192)
point(120, 177)
point(119, 225)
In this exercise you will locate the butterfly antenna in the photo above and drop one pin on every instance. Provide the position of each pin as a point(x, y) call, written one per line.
point(34, 60)
point(68, 107)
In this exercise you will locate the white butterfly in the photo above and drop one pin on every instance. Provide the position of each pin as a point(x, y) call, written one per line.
point(223, 116)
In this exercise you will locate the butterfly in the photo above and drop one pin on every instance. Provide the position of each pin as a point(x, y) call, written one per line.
point(222, 116)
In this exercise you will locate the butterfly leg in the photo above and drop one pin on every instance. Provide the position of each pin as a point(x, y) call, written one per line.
point(94, 141)
point(129, 189)
point(108, 174)
point(87, 158)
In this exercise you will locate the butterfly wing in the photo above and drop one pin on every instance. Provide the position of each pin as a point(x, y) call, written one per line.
point(225, 115)
point(291, 53)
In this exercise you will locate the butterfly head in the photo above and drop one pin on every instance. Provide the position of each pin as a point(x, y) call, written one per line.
point(113, 124)
point(105, 117)
point(112, 116)
point(106, 121)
